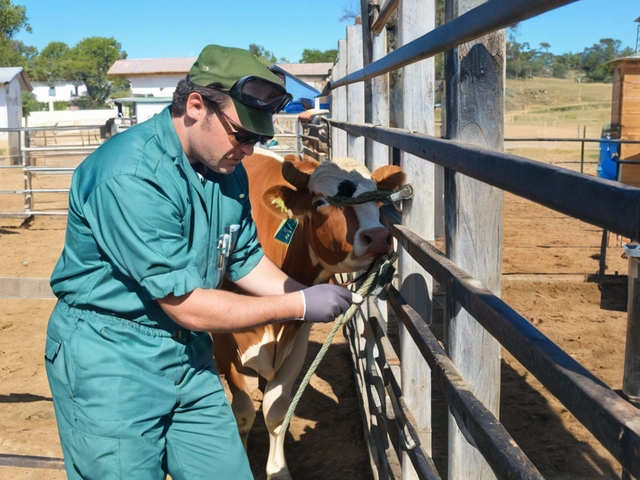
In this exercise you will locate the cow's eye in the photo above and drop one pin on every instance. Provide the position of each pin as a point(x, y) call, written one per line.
point(319, 203)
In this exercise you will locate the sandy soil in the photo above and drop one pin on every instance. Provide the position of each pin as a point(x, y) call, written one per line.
point(547, 261)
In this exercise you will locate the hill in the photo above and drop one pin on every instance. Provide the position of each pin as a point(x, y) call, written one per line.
point(563, 105)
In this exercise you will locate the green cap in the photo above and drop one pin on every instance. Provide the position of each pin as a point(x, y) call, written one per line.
point(225, 66)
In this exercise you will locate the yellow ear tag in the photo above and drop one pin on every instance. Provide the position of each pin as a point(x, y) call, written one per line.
point(286, 230)
point(278, 202)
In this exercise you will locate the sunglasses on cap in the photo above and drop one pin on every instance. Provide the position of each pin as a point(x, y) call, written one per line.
point(260, 93)
point(242, 136)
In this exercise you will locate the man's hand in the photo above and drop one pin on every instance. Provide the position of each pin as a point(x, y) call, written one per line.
point(323, 303)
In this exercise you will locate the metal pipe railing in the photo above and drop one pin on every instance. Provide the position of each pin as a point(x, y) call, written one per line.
point(607, 204)
point(482, 20)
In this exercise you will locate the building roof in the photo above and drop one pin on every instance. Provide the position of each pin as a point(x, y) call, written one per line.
point(7, 74)
point(631, 58)
point(180, 66)
point(151, 66)
point(307, 68)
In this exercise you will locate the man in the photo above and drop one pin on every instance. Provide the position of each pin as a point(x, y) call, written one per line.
point(157, 216)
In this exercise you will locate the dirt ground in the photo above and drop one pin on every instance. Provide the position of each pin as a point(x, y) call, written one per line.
point(548, 262)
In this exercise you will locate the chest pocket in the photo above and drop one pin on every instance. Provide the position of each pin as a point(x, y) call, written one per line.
point(218, 262)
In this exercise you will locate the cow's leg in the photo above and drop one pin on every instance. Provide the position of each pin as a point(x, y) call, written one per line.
point(243, 407)
point(276, 401)
point(240, 385)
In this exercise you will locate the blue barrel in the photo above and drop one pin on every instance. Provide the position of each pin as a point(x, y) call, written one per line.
point(607, 165)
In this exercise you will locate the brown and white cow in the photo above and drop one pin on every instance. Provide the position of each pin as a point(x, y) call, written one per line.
point(328, 240)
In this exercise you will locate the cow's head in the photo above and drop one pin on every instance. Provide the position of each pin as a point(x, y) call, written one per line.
point(341, 238)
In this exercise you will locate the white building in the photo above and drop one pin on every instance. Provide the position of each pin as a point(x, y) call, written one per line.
point(153, 81)
point(62, 91)
point(13, 80)
point(156, 79)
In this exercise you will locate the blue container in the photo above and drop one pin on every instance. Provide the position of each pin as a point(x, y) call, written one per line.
point(607, 165)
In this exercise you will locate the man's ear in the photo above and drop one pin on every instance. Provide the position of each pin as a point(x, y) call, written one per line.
point(389, 177)
point(284, 202)
point(195, 108)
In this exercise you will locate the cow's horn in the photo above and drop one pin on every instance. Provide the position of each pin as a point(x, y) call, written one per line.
point(295, 177)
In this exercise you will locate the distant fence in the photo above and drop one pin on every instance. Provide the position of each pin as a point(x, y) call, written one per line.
point(396, 387)
point(43, 149)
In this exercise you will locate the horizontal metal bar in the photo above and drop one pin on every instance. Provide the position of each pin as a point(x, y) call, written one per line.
point(612, 420)
point(37, 169)
point(33, 212)
point(35, 190)
point(577, 140)
point(605, 203)
point(386, 11)
point(30, 461)
point(51, 128)
point(420, 459)
point(482, 20)
point(60, 148)
point(495, 444)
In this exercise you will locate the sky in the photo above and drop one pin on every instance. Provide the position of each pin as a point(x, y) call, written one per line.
point(166, 28)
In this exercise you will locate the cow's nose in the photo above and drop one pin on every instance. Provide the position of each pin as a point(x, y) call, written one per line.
point(376, 241)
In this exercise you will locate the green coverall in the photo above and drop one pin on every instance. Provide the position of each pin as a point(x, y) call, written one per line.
point(136, 396)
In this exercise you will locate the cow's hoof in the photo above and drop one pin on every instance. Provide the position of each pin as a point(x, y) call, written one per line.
point(281, 475)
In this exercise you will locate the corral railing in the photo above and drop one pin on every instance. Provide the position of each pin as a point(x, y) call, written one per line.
point(369, 94)
point(44, 152)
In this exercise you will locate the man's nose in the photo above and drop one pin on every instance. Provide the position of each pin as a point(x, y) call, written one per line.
point(247, 149)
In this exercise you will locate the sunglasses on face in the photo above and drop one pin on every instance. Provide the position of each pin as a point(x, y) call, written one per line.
point(242, 136)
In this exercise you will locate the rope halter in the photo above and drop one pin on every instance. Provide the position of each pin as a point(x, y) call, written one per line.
point(385, 196)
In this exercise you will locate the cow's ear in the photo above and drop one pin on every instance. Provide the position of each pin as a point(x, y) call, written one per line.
point(389, 177)
point(284, 202)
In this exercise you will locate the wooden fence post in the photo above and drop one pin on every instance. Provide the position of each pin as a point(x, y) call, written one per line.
point(355, 91)
point(380, 103)
point(339, 103)
point(475, 111)
point(415, 18)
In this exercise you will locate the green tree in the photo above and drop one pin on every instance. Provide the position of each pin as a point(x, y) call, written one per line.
point(595, 58)
point(9, 57)
point(30, 103)
point(89, 62)
point(52, 63)
point(13, 18)
point(265, 56)
point(318, 56)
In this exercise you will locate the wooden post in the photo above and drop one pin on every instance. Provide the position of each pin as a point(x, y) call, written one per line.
point(355, 92)
point(475, 110)
point(339, 103)
point(380, 104)
point(415, 18)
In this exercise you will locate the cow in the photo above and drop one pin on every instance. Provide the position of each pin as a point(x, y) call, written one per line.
point(327, 240)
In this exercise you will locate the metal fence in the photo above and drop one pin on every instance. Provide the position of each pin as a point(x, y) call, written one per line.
point(396, 386)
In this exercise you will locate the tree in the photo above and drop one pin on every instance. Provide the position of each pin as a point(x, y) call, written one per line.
point(13, 18)
point(9, 57)
point(89, 62)
point(595, 58)
point(265, 56)
point(318, 56)
point(52, 63)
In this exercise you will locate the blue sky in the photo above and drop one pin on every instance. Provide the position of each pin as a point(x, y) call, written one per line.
point(167, 28)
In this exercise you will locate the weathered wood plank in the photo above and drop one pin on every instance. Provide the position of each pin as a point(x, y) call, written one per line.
point(339, 103)
point(415, 18)
point(474, 114)
point(355, 93)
